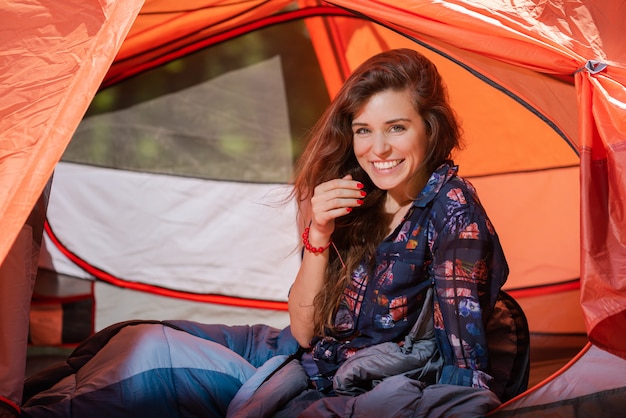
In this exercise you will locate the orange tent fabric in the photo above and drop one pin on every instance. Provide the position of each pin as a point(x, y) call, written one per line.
point(54, 56)
point(558, 43)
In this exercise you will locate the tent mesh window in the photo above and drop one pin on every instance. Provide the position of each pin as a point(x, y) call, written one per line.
point(237, 110)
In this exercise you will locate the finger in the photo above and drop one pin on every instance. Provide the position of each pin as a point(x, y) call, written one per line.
point(337, 198)
point(338, 187)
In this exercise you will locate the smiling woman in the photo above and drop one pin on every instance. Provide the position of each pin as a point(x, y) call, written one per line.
point(438, 263)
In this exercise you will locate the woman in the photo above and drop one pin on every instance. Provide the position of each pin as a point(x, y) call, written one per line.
point(387, 218)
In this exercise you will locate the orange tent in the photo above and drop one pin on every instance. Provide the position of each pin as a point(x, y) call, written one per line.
point(545, 140)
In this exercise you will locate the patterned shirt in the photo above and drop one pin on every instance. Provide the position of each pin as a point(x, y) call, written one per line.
point(445, 240)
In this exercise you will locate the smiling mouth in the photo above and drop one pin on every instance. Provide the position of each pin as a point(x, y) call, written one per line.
point(385, 165)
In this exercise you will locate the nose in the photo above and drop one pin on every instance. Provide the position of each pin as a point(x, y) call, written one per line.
point(381, 146)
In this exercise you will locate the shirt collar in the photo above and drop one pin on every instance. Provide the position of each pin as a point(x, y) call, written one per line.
point(439, 177)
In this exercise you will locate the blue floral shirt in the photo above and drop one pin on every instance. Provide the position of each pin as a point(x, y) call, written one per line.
point(445, 240)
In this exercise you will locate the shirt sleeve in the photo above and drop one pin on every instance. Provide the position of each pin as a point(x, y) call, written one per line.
point(463, 259)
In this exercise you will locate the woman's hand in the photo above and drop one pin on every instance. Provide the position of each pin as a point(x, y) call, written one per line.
point(333, 199)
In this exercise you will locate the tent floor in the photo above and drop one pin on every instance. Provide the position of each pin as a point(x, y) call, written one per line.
point(550, 352)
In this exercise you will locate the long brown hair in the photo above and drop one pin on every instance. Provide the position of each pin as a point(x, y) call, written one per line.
point(329, 154)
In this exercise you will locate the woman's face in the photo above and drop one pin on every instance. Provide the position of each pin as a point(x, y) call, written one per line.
point(390, 142)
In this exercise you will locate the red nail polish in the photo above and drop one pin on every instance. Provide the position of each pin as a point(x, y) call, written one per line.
point(359, 201)
point(359, 185)
point(363, 193)
point(349, 209)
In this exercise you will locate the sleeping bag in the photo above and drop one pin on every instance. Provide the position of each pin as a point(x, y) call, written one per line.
point(155, 369)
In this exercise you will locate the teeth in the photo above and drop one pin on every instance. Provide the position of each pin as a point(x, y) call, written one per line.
point(385, 165)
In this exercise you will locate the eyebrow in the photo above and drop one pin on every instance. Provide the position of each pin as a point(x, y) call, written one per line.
point(389, 122)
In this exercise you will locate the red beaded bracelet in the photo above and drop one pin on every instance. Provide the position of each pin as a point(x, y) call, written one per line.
point(308, 246)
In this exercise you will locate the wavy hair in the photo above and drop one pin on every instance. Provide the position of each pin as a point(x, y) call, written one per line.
point(329, 154)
